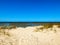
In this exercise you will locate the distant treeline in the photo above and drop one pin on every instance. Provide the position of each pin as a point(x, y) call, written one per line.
point(11, 25)
point(24, 24)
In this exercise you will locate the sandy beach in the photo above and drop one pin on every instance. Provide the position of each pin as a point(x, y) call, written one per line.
point(27, 36)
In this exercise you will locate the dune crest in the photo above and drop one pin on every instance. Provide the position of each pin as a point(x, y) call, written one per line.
point(37, 35)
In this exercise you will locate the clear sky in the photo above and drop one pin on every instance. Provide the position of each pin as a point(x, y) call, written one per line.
point(29, 10)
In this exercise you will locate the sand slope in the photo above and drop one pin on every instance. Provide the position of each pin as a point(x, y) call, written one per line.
point(27, 36)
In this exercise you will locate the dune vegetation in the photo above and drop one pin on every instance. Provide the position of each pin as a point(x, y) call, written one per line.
point(30, 35)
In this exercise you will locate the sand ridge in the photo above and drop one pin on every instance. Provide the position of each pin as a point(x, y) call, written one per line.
point(27, 36)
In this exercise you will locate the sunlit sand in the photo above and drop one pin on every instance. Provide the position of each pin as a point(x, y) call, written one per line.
point(29, 36)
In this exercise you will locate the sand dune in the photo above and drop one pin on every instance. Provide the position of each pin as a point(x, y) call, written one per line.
point(27, 36)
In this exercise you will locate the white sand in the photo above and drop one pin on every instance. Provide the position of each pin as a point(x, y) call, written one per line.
point(27, 36)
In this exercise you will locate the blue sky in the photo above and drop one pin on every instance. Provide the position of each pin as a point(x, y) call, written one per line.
point(29, 10)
